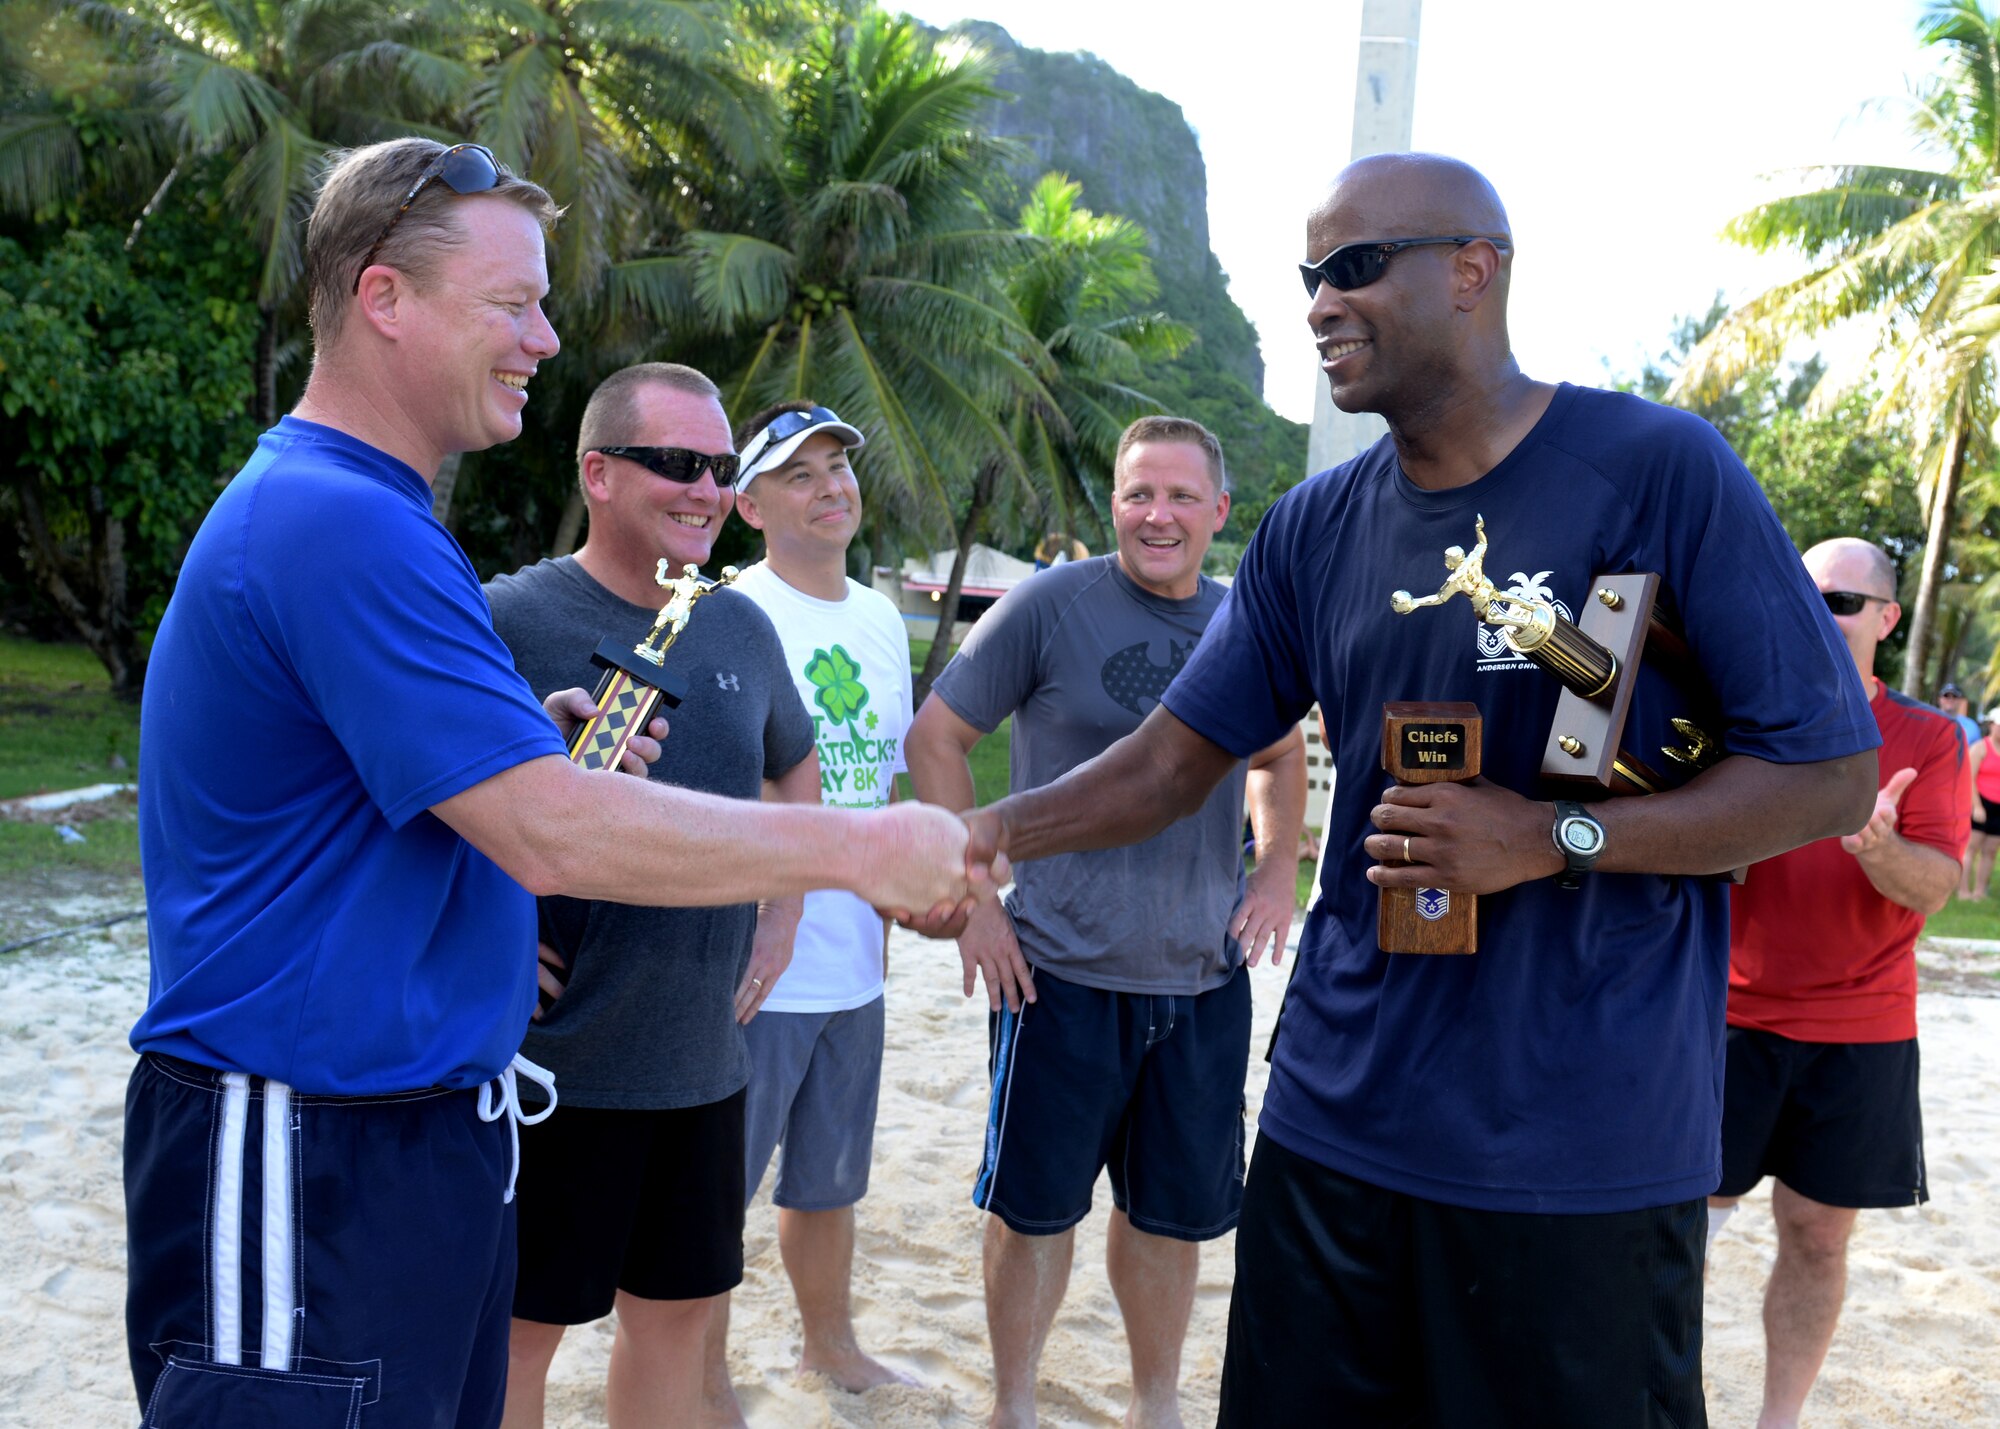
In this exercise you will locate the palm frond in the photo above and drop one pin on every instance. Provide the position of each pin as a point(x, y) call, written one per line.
point(738, 279)
point(41, 162)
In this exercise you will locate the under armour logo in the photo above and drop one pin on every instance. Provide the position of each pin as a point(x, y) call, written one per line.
point(726, 682)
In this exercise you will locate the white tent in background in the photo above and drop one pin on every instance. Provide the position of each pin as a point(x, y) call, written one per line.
point(989, 574)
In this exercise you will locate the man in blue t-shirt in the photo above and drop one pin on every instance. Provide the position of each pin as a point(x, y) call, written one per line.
point(347, 800)
point(1477, 1195)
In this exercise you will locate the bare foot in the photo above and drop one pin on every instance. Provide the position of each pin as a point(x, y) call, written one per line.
point(719, 1410)
point(1012, 1417)
point(1154, 1416)
point(850, 1369)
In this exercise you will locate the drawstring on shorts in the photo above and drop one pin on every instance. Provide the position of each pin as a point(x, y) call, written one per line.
point(508, 1104)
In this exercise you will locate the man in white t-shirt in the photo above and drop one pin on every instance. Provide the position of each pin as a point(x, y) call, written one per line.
point(816, 1048)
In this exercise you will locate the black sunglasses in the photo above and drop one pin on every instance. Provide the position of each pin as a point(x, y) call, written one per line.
point(678, 463)
point(785, 426)
point(465, 169)
point(1356, 265)
point(1849, 602)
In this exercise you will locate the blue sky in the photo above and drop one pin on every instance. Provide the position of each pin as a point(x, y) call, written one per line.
point(1620, 136)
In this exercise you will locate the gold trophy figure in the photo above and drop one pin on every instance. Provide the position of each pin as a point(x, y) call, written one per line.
point(1595, 662)
point(631, 692)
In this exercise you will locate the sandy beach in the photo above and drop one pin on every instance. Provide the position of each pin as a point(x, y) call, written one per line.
point(1919, 1344)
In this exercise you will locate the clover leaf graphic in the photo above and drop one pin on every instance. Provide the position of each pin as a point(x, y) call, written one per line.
point(837, 686)
point(871, 721)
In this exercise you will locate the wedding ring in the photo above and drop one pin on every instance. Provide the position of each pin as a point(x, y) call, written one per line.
point(1406, 850)
point(759, 982)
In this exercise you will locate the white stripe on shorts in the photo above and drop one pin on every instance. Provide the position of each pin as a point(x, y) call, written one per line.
point(225, 1291)
point(278, 1299)
point(226, 1234)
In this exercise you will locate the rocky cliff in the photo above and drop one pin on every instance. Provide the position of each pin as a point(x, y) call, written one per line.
point(1134, 154)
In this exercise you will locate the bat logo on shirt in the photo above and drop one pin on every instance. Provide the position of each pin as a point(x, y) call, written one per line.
point(1131, 678)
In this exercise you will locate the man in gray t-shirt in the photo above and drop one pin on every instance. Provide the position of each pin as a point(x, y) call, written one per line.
point(632, 1196)
point(1127, 1045)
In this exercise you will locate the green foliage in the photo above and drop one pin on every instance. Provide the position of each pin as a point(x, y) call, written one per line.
point(1910, 255)
point(124, 389)
point(794, 195)
point(1827, 469)
point(1131, 153)
point(60, 725)
point(861, 268)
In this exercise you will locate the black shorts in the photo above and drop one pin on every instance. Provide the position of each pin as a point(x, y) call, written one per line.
point(1991, 823)
point(1369, 1308)
point(648, 1202)
point(1838, 1122)
point(1148, 1084)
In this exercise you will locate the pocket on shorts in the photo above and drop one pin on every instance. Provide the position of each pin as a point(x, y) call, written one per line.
point(194, 1395)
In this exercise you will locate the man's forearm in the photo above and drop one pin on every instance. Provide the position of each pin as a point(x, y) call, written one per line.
point(1740, 812)
point(557, 829)
point(1275, 799)
point(798, 785)
point(1911, 875)
point(940, 772)
point(1160, 772)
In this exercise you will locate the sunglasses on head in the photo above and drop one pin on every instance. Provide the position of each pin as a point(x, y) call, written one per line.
point(1849, 602)
point(465, 169)
point(678, 463)
point(785, 426)
point(1356, 265)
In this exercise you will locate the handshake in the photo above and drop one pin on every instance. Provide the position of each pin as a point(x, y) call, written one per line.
point(929, 868)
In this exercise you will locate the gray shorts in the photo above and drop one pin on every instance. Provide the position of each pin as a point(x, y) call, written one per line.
point(814, 1078)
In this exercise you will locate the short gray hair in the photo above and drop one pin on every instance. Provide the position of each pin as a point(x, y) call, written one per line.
point(358, 197)
point(1175, 429)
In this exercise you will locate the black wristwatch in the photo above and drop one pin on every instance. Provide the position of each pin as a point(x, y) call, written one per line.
point(1579, 839)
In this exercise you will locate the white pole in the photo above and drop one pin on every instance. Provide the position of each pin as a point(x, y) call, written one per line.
point(1385, 103)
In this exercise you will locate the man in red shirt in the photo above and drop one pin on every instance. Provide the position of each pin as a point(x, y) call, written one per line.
point(1821, 1087)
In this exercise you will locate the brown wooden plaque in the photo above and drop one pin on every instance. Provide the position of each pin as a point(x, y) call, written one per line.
point(1429, 743)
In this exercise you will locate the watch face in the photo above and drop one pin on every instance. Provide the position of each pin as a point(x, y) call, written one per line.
point(1582, 836)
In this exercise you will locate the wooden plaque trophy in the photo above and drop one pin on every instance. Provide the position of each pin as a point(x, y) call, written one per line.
point(635, 684)
point(1429, 744)
point(1596, 662)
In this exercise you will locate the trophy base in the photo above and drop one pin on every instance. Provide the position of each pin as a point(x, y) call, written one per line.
point(1429, 743)
point(1428, 920)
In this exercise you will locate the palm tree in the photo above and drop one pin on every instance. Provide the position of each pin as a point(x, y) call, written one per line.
point(264, 86)
point(859, 267)
point(1909, 251)
point(637, 116)
point(1080, 288)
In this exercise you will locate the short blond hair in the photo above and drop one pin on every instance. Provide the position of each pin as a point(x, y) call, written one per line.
point(360, 194)
point(1174, 429)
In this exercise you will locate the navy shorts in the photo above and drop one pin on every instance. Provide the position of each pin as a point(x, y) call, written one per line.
point(1838, 1122)
point(815, 1079)
point(1150, 1085)
point(1373, 1309)
point(315, 1262)
point(649, 1202)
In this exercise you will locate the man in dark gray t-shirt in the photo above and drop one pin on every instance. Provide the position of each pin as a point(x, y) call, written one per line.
point(1128, 1047)
point(632, 1196)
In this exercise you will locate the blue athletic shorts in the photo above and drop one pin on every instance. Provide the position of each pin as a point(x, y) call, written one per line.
point(815, 1078)
point(1148, 1084)
point(313, 1262)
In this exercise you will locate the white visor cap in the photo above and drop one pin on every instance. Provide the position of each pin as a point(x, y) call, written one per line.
point(786, 433)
